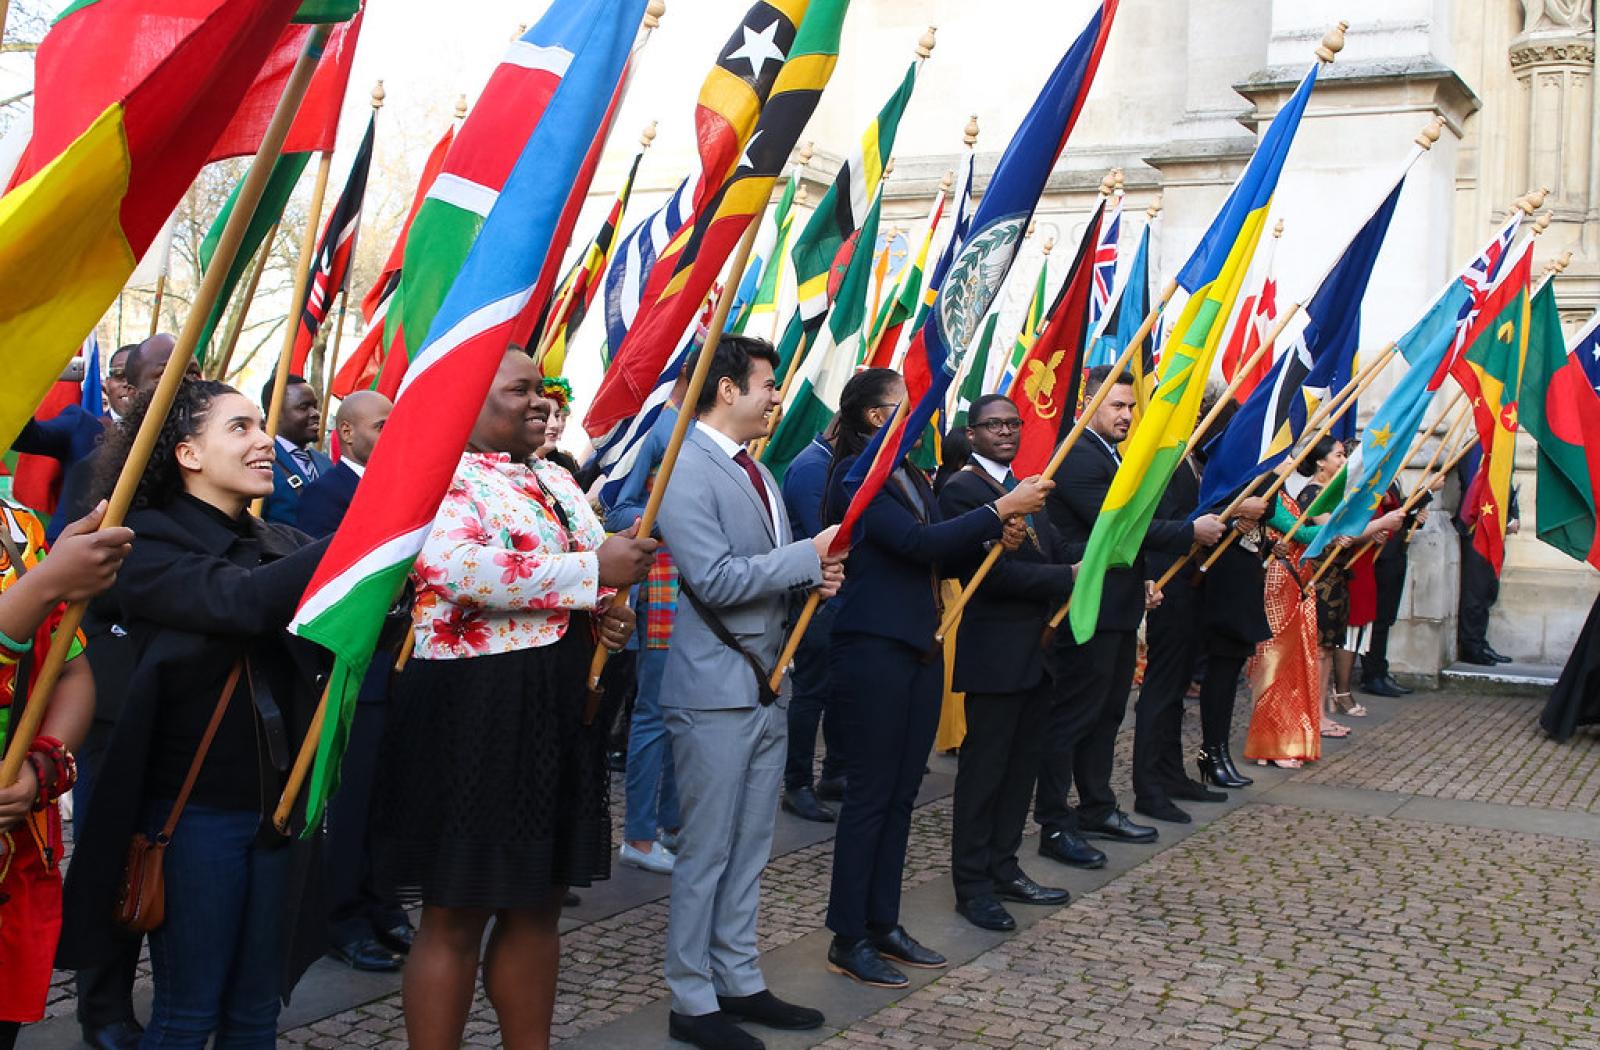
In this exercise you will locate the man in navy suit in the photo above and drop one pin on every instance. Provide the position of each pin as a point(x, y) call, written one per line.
point(297, 464)
point(365, 931)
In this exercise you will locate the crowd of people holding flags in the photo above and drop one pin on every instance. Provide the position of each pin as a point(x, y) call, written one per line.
point(296, 696)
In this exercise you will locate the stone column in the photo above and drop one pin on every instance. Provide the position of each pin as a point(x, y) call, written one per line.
point(1553, 61)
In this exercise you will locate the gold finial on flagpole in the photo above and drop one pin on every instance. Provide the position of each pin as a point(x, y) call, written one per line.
point(522, 27)
point(1541, 224)
point(461, 106)
point(947, 183)
point(1564, 261)
point(648, 135)
point(926, 41)
point(1277, 229)
point(1332, 42)
point(653, 12)
point(1430, 134)
point(1155, 208)
point(970, 132)
point(802, 195)
point(1108, 185)
point(807, 151)
point(378, 95)
point(1049, 242)
point(1122, 180)
point(888, 167)
point(1533, 201)
point(1033, 224)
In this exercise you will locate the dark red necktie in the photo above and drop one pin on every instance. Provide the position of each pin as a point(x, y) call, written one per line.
point(743, 459)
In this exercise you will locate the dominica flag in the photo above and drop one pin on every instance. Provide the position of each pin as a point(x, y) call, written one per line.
point(757, 299)
point(366, 564)
point(823, 372)
point(1561, 411)
point(1032, 325)
point(891, 318)
point(1490, 372)
point(970, 274)
point(110, 158)
point(315, 129)
point(1213, 277)
point(1271, 421)
point(753, 106)
point(330, 267)
point(818, 250)
point(365, 366)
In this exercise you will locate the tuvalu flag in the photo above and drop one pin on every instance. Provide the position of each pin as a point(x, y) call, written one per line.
point(1491, 374)
point(1561, 410)
point(969, 274)
point(111, 157)
point(366, 564)
point(1213, 276)
point(330, 267)
point(1046, 387)
point(753, 106)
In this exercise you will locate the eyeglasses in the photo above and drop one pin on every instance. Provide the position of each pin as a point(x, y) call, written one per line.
point(998, 426)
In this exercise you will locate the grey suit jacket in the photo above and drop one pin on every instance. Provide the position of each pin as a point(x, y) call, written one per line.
point(740, 563)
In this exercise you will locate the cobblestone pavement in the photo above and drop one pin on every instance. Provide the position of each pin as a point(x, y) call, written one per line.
point(1286, 928)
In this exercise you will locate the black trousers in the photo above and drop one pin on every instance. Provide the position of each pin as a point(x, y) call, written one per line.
point(1389, 574)
point(998, 766)
point(1217, 692)
point(1172, 638)
point(1091, 697)
point(888, 703)
point(358, 910)
point(105, 992)
point(1480, 588)
point(809, 707)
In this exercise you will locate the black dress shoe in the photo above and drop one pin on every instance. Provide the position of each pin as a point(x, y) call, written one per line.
point(1497, 656)
point(617, 761)
point(1214, 769)
point(1194, 791)
point(570, 900)
point(1024, 890)
point(860, 961)
point(118, 1035)
point(802, 802)
point(711, 1032)
point(986, 913)
point(1066, 847)
point(764, 1008)
point(900, 946)
point(1404, 690)
point(367, 955)
point(1118, 828)
point(1380, 687)
point(1162, 809)
point(398, 938)
point(1226, 756)
point(1478, 657)
point(831, 789)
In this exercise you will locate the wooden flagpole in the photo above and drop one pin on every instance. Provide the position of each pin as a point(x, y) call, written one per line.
point(329, 367)
point(155, 304)
point(297, 302)
point(680, 429)
point(49, 672)
point(236, 324)
point(953, 612)
point(1448, 440)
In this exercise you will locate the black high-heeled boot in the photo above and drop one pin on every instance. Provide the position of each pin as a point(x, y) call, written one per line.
point(1226, 756)
point(1212, 771)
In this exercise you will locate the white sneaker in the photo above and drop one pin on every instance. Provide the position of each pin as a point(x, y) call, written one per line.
point(656, 859)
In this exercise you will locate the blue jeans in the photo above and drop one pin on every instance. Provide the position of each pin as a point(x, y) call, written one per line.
point(652, 789)
point(218, 959)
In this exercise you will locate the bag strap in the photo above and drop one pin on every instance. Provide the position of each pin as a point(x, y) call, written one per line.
point(725, 636)
point(200, 752)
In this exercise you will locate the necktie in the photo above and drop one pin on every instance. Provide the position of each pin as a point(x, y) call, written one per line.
point(749, 465)
point(308, 466)
point(1010, 482)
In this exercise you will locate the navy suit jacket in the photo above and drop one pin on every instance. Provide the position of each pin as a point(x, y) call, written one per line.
point(895, 560)
point(288, 485)
point(324, 501)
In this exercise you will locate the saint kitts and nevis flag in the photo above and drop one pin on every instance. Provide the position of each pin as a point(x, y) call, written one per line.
point(330, 268)
point(1213, 277)
point(110, 158)
point(315, 130)
point(362, 369)
point(969, 276)
point(1561, 410)
point(366, 564)
point(757, 99)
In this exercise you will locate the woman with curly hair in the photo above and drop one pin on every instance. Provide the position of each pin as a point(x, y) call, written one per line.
point(206, 595)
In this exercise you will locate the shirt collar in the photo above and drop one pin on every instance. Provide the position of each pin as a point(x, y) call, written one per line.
point(1108, 446)
point(723, 441)
point(358, 469)
point(288, 446)
point(997, 471)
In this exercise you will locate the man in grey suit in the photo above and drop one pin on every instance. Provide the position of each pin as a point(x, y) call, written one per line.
point(740, 575)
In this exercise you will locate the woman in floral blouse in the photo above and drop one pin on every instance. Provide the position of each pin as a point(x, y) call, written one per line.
point(492, 796)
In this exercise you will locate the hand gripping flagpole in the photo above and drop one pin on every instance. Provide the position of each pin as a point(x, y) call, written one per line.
point(161, 400)
point(680, 429)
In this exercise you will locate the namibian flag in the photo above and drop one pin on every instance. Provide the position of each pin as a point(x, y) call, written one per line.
point(977, 268)
point(1561, 410)
point(1213, 276)
point(111, 156)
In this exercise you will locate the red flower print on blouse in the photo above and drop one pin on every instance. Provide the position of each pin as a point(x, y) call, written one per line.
point(461, 630)
point(473, 532)
point(522, 541)
point(517, 565)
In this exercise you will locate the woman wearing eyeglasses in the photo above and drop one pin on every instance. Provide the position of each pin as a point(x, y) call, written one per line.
point(888, 687)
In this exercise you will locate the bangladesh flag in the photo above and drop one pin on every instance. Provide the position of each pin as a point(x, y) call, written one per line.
point(1561, 411)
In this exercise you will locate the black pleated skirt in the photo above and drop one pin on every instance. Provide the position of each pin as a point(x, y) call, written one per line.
point(491, 791)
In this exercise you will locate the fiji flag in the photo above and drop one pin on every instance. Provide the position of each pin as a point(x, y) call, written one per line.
point(970, 277)
point(1320, 359)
